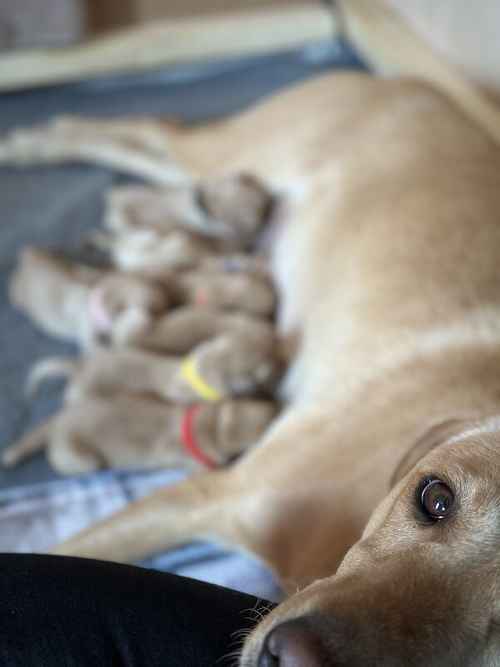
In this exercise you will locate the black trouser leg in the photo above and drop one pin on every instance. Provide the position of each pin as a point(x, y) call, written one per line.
point(59, 611)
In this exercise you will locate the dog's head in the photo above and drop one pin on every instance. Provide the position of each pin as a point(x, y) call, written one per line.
point(421, 588)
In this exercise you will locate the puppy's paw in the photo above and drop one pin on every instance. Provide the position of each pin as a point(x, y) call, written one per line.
point(71, 458)
point(241, 423)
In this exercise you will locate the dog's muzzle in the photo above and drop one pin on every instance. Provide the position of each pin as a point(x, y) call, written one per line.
point(292, 644)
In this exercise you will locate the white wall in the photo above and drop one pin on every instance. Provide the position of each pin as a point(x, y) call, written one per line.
point(467, 32)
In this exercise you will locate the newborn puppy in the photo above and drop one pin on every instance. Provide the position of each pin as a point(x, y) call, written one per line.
point(122, 305)
point(154, 230)
point(244, 291)
point(180, 331)
point(55, 293)
point(76, 302)
point(227, 366)
point(232, 209)
point(242, 202)
point(153, 254)
point(140, 432)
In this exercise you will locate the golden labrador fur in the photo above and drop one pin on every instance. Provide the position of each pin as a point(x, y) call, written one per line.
point(388, 263)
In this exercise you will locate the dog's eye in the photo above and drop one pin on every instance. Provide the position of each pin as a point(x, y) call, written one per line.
point(436, 499)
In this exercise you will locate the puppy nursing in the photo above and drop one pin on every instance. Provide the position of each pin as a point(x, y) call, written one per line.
point(229, 209)
point(153, 230)
point(229, 365)
point(388, 266)
point(127, 431)
point(79, 303)
point(174, 339)
point(83, 304)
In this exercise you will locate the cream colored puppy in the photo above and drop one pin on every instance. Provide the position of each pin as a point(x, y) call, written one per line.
point(388, 268)
point(76, 302)
point(228, 290)
point(231, 210)
point(184, 328)
point(138, 432)
point(226, 366)
point(157, 230)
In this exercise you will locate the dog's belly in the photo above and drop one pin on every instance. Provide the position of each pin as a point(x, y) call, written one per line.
point(393, 252)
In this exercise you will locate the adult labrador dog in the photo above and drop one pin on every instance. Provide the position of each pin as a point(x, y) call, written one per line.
point(376, 496)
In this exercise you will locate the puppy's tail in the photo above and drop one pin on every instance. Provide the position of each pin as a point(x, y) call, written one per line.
point(390, 44)
point(49, 368)
point(27, 445)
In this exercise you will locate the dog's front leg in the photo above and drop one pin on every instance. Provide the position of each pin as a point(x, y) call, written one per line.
point(202, 506)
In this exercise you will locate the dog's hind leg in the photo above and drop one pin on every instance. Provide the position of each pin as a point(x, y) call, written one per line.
point(136, 146)
point(166, 152)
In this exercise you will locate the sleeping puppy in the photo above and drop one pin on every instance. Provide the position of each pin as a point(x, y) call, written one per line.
point(231, 209)
point(179, 331)
point(75, 302)
point(227, 366)
point(243, 291)
point(157, 230)
point(129, 431)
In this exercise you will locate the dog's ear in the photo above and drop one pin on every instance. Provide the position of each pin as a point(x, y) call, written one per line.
point(433, 436)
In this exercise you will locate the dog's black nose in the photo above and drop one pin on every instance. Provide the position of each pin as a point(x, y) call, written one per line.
point(292, 644)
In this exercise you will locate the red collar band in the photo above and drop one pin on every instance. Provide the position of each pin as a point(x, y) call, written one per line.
point(188, 438)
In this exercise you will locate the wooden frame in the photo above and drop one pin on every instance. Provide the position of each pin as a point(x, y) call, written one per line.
point(160, 43)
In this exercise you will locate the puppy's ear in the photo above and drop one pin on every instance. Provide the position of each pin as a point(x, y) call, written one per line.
point(434, 436)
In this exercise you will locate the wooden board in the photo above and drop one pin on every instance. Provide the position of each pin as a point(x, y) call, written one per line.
point(388, 41)
point(261, 30)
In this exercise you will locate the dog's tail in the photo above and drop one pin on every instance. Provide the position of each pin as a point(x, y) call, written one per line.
point(391, 46)
point(27, 445)
point(49, 368)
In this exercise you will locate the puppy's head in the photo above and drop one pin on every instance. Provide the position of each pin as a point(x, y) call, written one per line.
point(422, 586)
point(240, 202)
point(121, 304)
